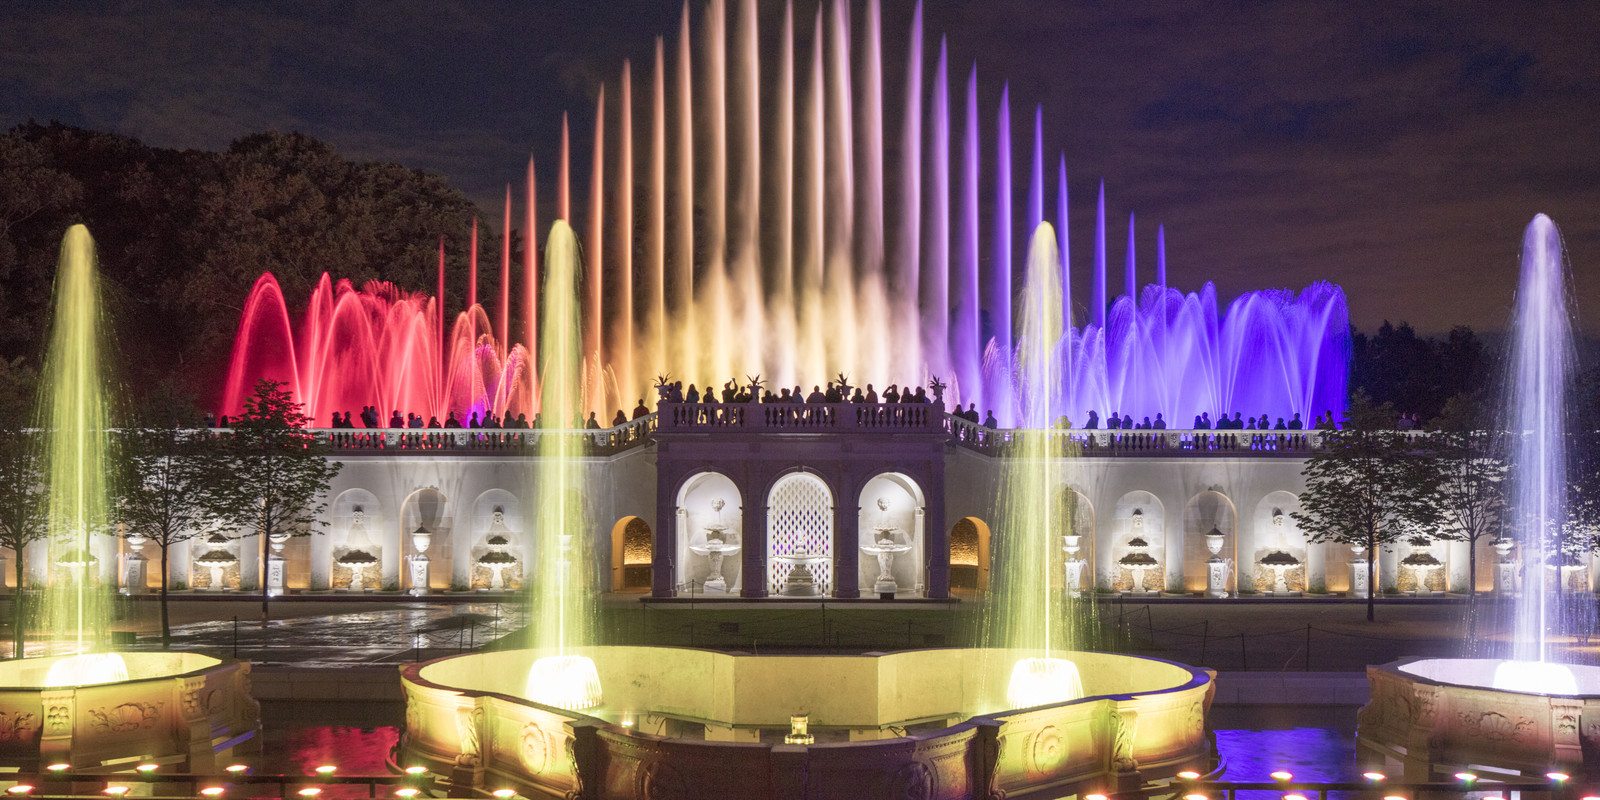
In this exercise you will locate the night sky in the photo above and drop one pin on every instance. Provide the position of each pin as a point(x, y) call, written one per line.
point(1395, 148)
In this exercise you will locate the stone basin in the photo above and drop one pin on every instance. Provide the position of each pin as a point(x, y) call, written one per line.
point(1435, 716)
point(184, 709)
point(680, 722)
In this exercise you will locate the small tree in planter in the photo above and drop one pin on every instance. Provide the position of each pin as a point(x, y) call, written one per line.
point(22, 517)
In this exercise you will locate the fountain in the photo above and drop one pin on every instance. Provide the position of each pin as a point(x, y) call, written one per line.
point(216, 561)
point(1280, 561)
point(781, 226)
point(1422, 564)
point(1531, 711)
point(718, 544)
point(885, 546)
point(565, 714)
point(1138, 561)
point(358, 558)
point(497, 559)
point(84, 706)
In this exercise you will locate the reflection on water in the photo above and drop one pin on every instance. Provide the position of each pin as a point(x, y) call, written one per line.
point(357, 738)
point(1255, 741)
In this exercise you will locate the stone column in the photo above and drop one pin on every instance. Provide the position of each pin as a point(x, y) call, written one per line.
point(55, 740)
point(936, 535)
point(847, 537)
point(664, 555)
point(753, 534)
point(1359, 586)
point(194, 724)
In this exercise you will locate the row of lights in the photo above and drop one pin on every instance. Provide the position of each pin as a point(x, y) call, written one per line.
point(1284, 776)
point(117, 789)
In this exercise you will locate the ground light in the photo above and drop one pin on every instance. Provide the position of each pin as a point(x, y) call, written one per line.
point(1294, 797)
point(1558, 777)
point(408, 791)
point(504, 794)
point(326, 769)
point(147, 768)
point(1282, 775)
point(1466, 777)
point(213, 791)
point(237, 768)
point(1189, 775)
point(1374, 776)
point(21, 788)
point(309, 791)
point(59, 767)
point(116, 790)
point(416, 770)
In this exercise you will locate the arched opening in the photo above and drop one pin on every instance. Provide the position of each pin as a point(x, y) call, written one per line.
point(632, 554)
point(496, 555)
point(1206, 516)
point(357, 544)
point(708, 534)
point(969, 556)
point(890, 528)
point(1138, 525)
point(1279, 560)
point(425, 523)
point(1081, 546)
point(800, 536)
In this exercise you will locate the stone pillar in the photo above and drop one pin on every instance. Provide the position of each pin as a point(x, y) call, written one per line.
point(1359, 586)
point(753, 564)
point(669, 526)
point(847, 538)
point(135, 568)
point(194, 724)
point(55, 740)
point(936, 534)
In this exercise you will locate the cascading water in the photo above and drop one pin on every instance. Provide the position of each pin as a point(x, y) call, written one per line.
point(562, 588)
point(1028, 614)
point(766, 249)
point(75, 418)
point(1539, 381)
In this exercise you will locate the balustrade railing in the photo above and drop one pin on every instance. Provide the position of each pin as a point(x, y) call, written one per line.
point(801, 417)
point(600, 441)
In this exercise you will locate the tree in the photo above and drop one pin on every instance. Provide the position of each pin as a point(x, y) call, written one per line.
point(22, 515)
point(161, 496)
point(1472, 473)
point(1368, 486)
point(272, 477)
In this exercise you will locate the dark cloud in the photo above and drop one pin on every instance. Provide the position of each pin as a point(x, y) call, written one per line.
point(1397, 148)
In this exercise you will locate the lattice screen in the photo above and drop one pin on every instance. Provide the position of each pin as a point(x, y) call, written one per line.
point(800, 520)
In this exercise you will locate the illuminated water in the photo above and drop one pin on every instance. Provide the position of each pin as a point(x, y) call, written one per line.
point(773, 224)
point(1538, 402)
point(1028, 608)
point(75, 418)
point(563, 590)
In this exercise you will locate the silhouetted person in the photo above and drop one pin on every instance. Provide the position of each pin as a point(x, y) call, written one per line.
point(891, 394)
point(416, 421)
point(1281, 426)
point(989, 420)
point(1144, 424)
point(1113, 421)
point(450, 420)
point(472, 421)
point(1094, 421)
point(397, 421)
point(222, 421)
point(433, 422)
point(858, 397)
point(1295, 424)
point(816, 395)
point(639, 410)
point(1127, 422)
point(693, 396)
point(619, 419)
point(592, 423)
point(872, 395)
point(832, 395)
point(784, 396)
point(1160, 424)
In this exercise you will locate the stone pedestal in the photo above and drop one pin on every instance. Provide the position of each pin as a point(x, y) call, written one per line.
point(1358, 579)
point(135, 570)
point(276, 573)
point(1505, 578)
point(1075, 570)
point(420, 568)
point(1216, 577)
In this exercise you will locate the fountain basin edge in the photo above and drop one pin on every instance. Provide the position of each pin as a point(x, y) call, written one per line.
point(1141, 719)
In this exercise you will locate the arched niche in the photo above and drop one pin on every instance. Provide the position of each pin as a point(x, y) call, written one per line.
point(356, 523)
point(632, 554)
point(969, 556)
point(1084, 525)
point(799, 526)
point(496, 514)
point(1136, 515)
point(1208, 511)
point(708, 506)
point(892, 506)
point(429, 510)
point(1274, 530)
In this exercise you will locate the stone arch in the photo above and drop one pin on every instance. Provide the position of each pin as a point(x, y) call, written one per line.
point(428, 509)
point(357, 523)
point(632, 554)
point(903, 511)
point(697, 518)
point(1206, 511)
point(1273, 529)
point(473, 545)
point(969, 556)
point(800, 522)
point(1137, 515)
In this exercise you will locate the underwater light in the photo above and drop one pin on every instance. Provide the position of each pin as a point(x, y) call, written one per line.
point(1535, 677)
point(1042, 682)
point(566, 682)
point(87, 670)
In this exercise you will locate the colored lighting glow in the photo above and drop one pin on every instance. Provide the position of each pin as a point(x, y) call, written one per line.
point(238, 768)
point(213, 791)
point(567, 682)
point(416, 770)
point(732, 288)
point(1374, 776)
point(116, 790)
point(1095, 797)
point(1466, 777)
point(1395, 797)
point(309, 791)
point(59, 767)
point(326, 769)
point(21, 788)
point(148, 767)
point(409, 791)
point(87, 670)
point(1558, 777)
point(1189, 775)
point(1282, 775)
point(505, 793)
point(1195, 796)
point(1043, 682)
point(1294, 797)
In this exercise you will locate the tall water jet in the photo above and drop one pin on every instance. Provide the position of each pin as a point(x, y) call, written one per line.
point(74, 415)
point(1028, 611)
point(1537, 398)
point(563, 589)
